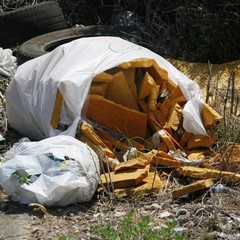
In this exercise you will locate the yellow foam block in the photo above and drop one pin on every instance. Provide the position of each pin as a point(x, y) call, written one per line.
point(160, 116)
point(152, 97)
point(197, 140)
point(209, 116)
point(141, 63)
point(103, 78)
point(87, 131)
point(98, 88)
point(151, 184)
point(116, 117)
point(167, 103)
point(181, 100)
point(162, 147)
point(109, 155)
point(119, 92)
point(204, 173)
point(145, 86)
point(158, 73)
point(124, 179)
point(175, 116)
point(176, 92)
point(138, 162)
point(153, 124)
point(164, 154)
point(130, 77)
point(116, 143)
point(171, 86)
point(185, 137)
point(166, 162)
point(167, 140)
point(57, 109)
point(196, 154)
point(193, 187)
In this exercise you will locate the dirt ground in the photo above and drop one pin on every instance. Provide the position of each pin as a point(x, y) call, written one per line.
point(207, 217)
point(204, 216)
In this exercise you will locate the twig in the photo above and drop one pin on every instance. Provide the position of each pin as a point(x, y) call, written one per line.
point(104, 173)
point(236, 105)
point(108, 169)
point(225, 99)
point(209, 81)
point(216, 88)
point(233, 93)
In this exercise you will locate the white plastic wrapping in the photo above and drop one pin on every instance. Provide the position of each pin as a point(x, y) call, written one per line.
point(8, 63)
point(56, 171)
point(70, 68)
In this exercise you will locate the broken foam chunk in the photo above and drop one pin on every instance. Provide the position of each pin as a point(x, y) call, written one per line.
point(166, 139)
point(175, 117)
point(138, 162)
point(152, 183)
point(166, 162)
point(204, 173)
point(126, 178)
point(119, 92)
point(152, 97)
point(193, 187)
point(209, 116)
point(118, 118)
point(198, 140)
point(145, 86)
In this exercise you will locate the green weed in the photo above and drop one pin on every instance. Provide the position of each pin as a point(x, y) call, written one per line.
point(131, 227)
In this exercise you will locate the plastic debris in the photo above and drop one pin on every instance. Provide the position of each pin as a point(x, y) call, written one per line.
point(219, 188)
point(8, 63)
point(56, 171)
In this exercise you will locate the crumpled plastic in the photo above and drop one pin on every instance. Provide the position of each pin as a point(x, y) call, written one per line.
point(8, 63)
point(56, 171)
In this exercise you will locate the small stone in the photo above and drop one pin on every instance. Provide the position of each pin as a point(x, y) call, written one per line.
point(165, 214)
point(155, 206)
point(34, 230)
point(180, 230)
point(120, 214)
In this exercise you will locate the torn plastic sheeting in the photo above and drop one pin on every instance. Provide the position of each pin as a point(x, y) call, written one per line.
point(56, 171)
point(70, 68)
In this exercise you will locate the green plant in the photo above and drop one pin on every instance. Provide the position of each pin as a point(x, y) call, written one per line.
point(64, 238)
point(133, 227)
point(227, 133)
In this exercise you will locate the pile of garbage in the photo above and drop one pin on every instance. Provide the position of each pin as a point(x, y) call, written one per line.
point(136, 119)
point(144, 119)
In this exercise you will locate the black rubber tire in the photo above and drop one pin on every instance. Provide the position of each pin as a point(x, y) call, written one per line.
point(26, 22)
point(45, 43)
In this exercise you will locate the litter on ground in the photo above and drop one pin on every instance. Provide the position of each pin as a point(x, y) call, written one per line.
point(143, 118)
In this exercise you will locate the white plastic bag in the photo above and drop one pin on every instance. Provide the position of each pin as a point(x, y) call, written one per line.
point(70, 68)
point(57, 171)
point(8, 63)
